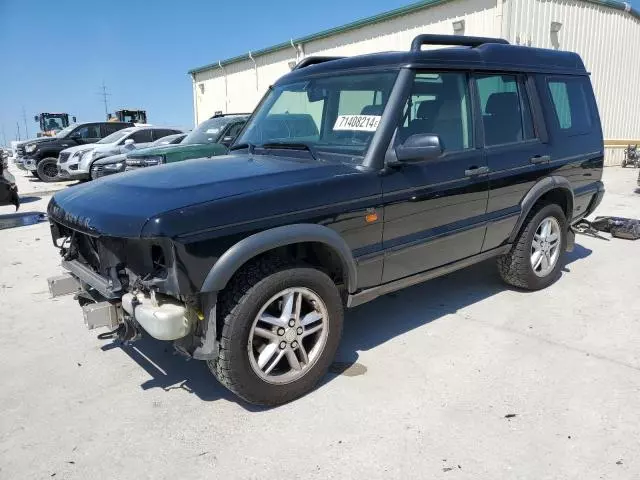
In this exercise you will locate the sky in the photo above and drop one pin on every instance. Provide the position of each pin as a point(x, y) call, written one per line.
point(55, 55)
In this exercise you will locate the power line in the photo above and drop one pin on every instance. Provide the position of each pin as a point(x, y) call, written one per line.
point(104, 94)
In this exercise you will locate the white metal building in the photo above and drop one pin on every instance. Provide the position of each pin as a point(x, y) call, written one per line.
point(605, 33)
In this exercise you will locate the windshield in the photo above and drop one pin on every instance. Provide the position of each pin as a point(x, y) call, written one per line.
point(168, 140)
point(208, 131)
point(65, 131)
point(115, 136)
point(335, 114)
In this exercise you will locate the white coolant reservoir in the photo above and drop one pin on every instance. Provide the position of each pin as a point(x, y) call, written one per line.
point(165, 318)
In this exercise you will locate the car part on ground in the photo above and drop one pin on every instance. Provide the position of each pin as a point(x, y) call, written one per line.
point(618, 227)
point(247, 261)
point(631, 156)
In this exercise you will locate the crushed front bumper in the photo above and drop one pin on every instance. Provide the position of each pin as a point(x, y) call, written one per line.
point(161, 316)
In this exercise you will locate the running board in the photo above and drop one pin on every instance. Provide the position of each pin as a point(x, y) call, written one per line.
point(375, 292)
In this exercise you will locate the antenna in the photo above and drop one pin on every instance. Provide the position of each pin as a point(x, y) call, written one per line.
point(104, 94)
point(24, 118)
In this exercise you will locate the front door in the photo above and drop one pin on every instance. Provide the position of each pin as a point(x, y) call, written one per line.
point(434, 210)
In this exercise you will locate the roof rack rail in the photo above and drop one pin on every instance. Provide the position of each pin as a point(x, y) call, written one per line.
point(430, 39)
point(305, 62)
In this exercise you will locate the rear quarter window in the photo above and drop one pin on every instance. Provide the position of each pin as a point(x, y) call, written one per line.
point(571, 100)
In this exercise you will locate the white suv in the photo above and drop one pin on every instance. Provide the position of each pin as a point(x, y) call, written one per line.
point(75, 162)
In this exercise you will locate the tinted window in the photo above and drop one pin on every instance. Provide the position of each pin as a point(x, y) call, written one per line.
point(235, 129)
point(88, 131)
point(141, 136)
point(439, 104)
point(162, 132)
point(506, 113)
point(110, 128)
point(571, 106)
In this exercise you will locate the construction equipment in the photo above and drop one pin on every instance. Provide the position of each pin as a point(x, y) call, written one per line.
point(134, 116)
point(52, 123)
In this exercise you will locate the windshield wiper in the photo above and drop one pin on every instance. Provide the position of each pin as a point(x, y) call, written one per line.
point(292, 146)
point(240, 146)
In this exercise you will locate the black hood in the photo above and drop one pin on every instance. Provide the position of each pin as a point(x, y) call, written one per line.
point(122, 204)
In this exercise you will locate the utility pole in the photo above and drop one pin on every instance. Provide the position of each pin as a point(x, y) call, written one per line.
point(18, 126)
point(24, 118)
point(4, 137)
point(104, 94)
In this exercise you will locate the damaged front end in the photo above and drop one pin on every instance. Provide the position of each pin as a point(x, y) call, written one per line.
point(130, 286)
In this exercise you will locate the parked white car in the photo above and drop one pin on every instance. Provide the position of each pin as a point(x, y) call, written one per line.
point(75, 162)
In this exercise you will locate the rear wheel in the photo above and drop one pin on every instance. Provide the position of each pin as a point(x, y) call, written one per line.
point(281, 329)
point(47, 170)
point(536, 258)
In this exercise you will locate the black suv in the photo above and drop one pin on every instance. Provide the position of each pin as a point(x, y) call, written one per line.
point(353, 178)
point(40, 156)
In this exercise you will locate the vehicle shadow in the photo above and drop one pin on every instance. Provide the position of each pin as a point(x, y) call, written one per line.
point(29, 199)
point(365, 328)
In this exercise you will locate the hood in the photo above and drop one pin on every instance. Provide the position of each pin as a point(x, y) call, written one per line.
point(37, 140)
point(120, 205)
point(193, 149)
point(78, 148)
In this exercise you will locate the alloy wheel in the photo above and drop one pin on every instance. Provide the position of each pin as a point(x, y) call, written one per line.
point(288, 335)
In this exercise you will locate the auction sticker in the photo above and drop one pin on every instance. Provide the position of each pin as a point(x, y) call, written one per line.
point(359, 123)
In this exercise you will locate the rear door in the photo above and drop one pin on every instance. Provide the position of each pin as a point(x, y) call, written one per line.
point(434, 210)
point(517, 156)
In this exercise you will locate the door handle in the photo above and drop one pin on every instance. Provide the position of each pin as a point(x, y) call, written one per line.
point(540, 159)
point(474, 171)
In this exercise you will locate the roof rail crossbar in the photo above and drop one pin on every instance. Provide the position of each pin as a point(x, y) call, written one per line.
point(430, 39)
point(305, 62)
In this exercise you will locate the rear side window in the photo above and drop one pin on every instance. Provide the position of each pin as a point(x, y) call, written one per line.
point(506, 113)
point(141, 136)
point(159, 133)
point(110, 128)
point(571, 105)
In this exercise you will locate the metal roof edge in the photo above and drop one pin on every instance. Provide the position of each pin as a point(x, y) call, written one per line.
point(398, 12)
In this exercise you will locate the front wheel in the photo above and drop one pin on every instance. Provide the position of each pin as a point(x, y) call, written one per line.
point(281, 329)
point(47, 170)
point(536, 258)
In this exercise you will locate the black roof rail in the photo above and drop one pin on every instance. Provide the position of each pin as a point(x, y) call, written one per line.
point(430, 39)
point(305, 62)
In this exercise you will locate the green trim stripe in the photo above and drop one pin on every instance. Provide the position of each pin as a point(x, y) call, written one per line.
point(398, 12)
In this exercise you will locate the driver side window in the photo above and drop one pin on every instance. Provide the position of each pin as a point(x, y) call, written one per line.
point(439, 104)
point(88, 131)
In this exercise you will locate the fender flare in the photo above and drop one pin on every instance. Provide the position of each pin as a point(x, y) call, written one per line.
point(533, 195)
point(261, 242)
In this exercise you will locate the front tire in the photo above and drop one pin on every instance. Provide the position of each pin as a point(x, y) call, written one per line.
point(281, 326)
point(537, 256)
point(47, 170)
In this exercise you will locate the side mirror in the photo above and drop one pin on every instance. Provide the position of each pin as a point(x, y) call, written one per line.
point(129, 141)
point(419, 147)
point(74, 119)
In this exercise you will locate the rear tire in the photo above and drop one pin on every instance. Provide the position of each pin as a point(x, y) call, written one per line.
point(260, 291)
point(517, 267)
point(47, 170)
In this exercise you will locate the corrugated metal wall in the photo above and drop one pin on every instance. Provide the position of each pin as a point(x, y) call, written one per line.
point(606, 39)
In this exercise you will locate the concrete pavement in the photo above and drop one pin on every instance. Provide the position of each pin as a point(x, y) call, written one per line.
point(458, 378)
